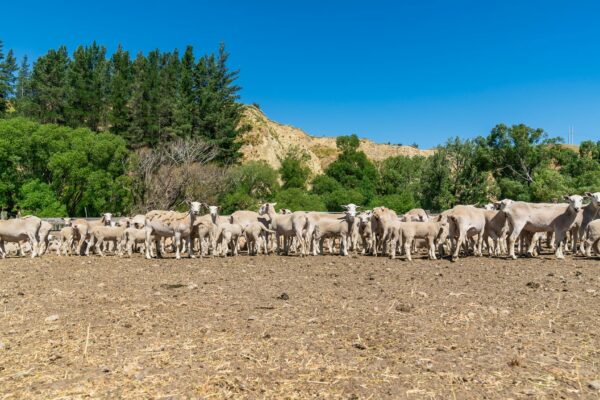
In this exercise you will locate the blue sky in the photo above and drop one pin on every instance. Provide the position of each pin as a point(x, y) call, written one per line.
point(392, 71)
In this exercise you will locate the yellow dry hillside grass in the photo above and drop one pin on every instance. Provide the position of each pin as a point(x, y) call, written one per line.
point(269, 141)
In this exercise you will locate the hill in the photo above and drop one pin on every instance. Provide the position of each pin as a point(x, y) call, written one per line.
point(268, 140)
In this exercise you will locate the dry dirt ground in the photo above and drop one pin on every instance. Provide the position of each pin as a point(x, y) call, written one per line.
point(286, 327)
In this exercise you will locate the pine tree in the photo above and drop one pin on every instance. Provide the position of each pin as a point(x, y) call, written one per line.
point(137, 127)
point(218, 111)
point(144, 129)
point(87, 87)
point(184, 111)
point(23, 94)
point(8, 67)
point(168, 87)
point(121, 74)
point(50, 86)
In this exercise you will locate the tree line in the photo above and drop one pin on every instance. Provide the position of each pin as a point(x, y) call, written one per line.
point(146, 99)
point(79, 136)
point(52, 170)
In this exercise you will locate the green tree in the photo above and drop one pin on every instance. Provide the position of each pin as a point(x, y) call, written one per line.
point(8, 67)
point(50, 87)
point(119, 93)
point(436, 183)
point(347, 144)
point(455, 175)
point(352, 169)
point(144, 129)
point(218, 113)
point(185, 125)
point(37, 198)
point(515, 152)
point(23, 92)
point(249, 185)
point(399, 202)
point(549, 185)
point(334, 200)
point(298, 199)
point(294, 170)
point(84, 170)
point(169, 66)
point(88, 86)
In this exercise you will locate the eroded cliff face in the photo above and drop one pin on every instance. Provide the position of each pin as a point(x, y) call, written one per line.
point(269, 141)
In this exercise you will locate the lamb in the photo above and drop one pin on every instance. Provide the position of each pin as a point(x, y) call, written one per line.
point(384, 221)
point(365, 231)
point(415, 215)
point(229, 234)
point(431, 231)
point(592, 238)
point(82, 229)
point(341, 227)
point(44, 237)
point(255, 234)
point(99, 234)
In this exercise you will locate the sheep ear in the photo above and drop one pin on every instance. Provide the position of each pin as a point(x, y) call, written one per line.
point(566, 197)
point(358, 207)
point(588, 194)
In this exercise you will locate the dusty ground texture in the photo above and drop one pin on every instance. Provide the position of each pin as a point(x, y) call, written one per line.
point(286, 327)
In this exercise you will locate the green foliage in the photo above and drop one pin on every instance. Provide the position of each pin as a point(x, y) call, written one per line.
point(83, 170)
point(87, 88)
point(353, 170)
point(8, 67)
point(400, 174)
point(120, 72)
point(334, 200)
point(294, 170)
point(347, 144)
point(250, 184)
point(400, 202)
point(49, 83)
point(549, 185)
point(155, 98)
point(514, 189)
point(297, 199)
point(23, 92)
point(38, 198)
point(436, 183)
point(324, 184)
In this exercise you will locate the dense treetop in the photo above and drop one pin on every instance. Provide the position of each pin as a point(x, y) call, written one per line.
point(145, 99)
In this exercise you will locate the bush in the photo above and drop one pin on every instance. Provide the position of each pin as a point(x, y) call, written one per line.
point(37, 198)
point(299, 200)
point(514, 190)
point(83, 169)
point(294, 171)
point(248, 185)
point(399, 202)
point(335, 199)
point(324, 184)
point(549, 185)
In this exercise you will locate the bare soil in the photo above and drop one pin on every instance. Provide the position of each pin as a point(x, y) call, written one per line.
point(287, 327)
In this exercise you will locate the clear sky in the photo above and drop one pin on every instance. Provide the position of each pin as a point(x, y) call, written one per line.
point(392, 71)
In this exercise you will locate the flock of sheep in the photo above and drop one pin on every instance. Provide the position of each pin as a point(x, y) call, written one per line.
point(499, 228)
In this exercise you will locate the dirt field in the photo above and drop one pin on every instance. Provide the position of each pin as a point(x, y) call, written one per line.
point(285, 327)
